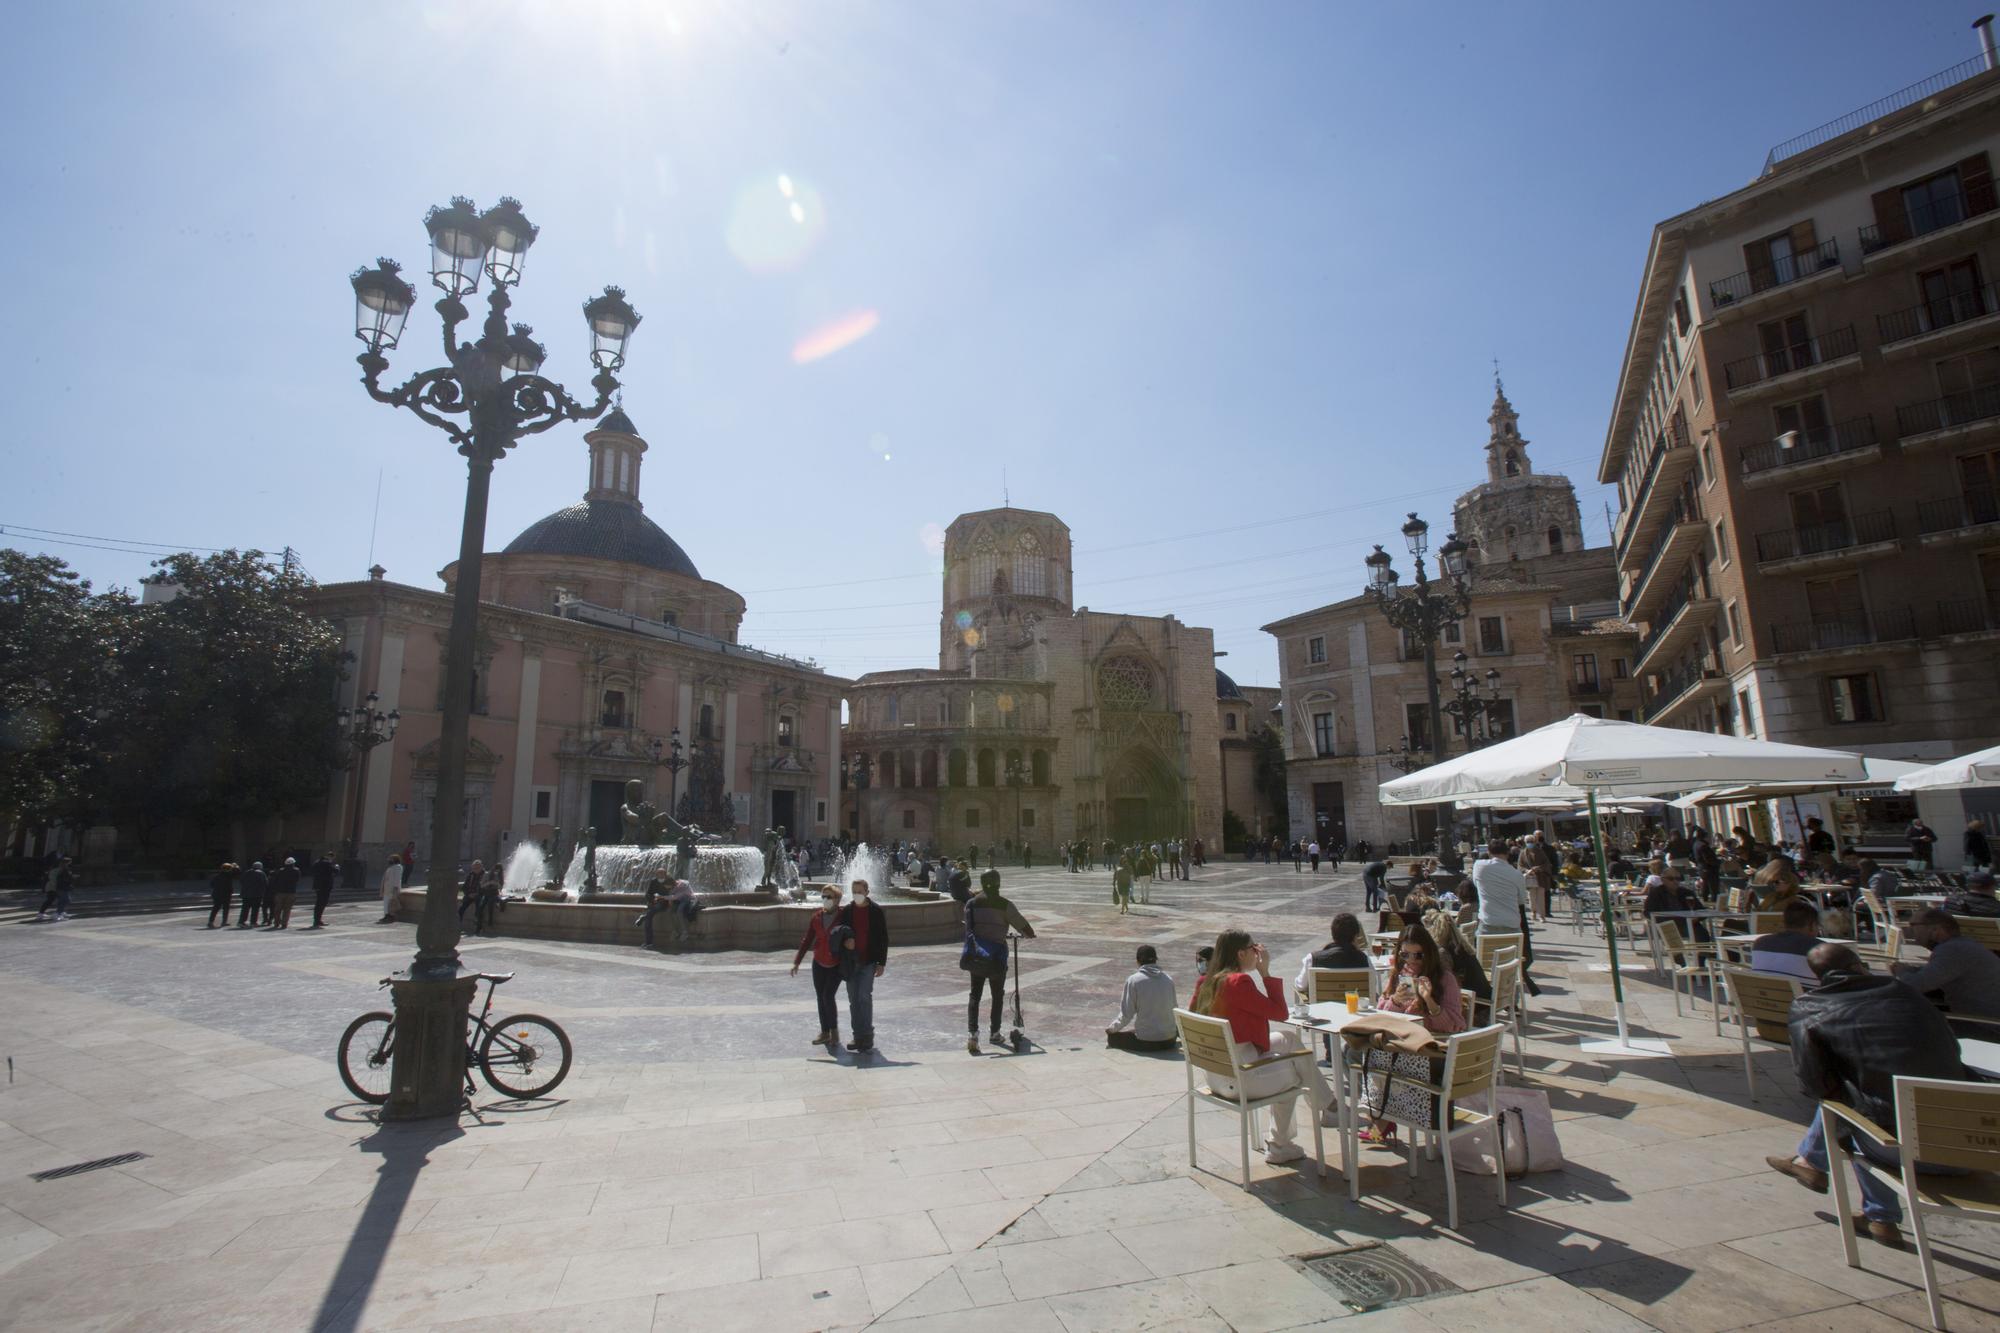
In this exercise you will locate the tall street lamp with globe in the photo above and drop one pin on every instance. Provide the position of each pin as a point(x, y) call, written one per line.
point(363, 728)
point(1421, 612)
point(489, 396)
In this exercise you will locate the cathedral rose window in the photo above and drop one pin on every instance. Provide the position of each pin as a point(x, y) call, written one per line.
point(1125, 684)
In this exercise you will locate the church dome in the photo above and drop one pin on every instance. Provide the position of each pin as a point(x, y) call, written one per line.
point(1225, 688)
point(604, 530)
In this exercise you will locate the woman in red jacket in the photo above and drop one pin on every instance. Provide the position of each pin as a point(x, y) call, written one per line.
point(1240, 988)
point(826, 966)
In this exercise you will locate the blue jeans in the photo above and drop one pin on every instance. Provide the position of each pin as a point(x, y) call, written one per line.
point(1878, 1202)
point(861, 1005)
point(1373, 884)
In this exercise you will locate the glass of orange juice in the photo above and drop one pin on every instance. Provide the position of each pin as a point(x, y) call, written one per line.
point(1353, 1002)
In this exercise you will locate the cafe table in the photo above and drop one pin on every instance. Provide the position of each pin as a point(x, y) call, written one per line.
point(1982, 1057)
point(1326, 1020)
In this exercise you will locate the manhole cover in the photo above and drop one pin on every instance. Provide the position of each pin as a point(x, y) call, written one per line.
point(1369, 1277)
point(78, 1168)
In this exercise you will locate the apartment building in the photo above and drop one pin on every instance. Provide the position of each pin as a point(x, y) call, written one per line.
point(1806, 445)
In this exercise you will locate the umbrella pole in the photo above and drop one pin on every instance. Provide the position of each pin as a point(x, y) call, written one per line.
point(1604, 909)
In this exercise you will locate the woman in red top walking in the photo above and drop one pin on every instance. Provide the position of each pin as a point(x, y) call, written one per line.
point(1239, 987)
point(826, 966)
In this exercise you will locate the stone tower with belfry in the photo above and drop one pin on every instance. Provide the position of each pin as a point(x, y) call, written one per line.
point(1516, 514)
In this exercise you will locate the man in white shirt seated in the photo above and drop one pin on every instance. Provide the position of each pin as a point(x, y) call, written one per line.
point(1146, 1015)
point(1783, 952)
point(1503, 899)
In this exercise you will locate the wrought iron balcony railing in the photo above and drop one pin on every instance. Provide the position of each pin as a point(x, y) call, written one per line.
point(1727, 291)
point(1940, 313)
point(1969, 509)
point(1890, 625)
point(1822, 538)
point(1809, 446)
point(1922, 219)
point(1828, 346)
point(1954, 409)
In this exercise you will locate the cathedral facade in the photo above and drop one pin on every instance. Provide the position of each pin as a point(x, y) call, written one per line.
point(1042, 721)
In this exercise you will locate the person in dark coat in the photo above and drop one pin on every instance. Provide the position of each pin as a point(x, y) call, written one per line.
point(254, 884)
point(221, 886)
point(862, 933)
point(284, 892)
point(323, 872)
point(1978, 855)
point(1922, 838)
point(1850, 1039)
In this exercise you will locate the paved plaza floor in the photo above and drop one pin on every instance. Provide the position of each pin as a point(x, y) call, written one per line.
point(705, 1168)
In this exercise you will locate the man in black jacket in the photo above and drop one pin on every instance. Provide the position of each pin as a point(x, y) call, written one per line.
point(862, 936)
point(323, 871)
point(1850, 1039)
point(254, 884)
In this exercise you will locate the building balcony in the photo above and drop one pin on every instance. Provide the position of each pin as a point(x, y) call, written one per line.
point(1730, 295)
point(1676, 690)
point(1956, 418)
point(1652, 502)
point(1936, 325)
point(1805, 453)
point(1841, 634)
point(1940, 224)
point(1680, 536)
point(1681, 622)
point(1969, 516)
point(1794, 366)
point(1967, 618)
point(1839, 541)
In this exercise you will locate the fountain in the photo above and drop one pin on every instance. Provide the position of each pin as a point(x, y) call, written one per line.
point(526, 871)
point(622, 870)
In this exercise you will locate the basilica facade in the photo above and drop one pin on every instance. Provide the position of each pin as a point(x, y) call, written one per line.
point(600, 645)
point(1042, 721)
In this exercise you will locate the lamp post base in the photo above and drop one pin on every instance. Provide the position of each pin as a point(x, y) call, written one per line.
point(427, 1069)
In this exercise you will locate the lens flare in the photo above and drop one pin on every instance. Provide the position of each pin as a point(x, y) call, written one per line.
point(834, 336)
point(1005, 703)
point(774, 223)
point(878, 447)
point(963, 620)
point(971, 638)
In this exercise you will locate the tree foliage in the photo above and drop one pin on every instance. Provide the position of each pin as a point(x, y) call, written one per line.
point(215, 707)
point(1268, 772)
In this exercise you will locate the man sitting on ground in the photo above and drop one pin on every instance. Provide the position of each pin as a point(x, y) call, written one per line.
point(1347, 948)
point(1145, 1019)
point(1976, 898)
point(1963, 973)
point(1784, 951)
point(1850, 1039)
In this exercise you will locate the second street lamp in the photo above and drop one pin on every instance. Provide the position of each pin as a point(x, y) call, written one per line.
point(670, 757)
point(1421, 612)
point(363, 729)
point(489, 397)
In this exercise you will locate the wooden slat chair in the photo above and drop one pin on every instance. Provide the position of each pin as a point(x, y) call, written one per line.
point(1210, 1048)
point(1983, 929)
point(1687, 959)
point(1766, 923)
point(1491, 943)
point(1878, 913)
point(1471, 1065)
point(1332, 985)
point(1505, 1008)
point(1887, 951)
point(1903, 910)
point(1941, 1122)
point(1762, 1001)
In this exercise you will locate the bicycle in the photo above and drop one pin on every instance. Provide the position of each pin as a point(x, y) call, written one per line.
point(523, 1044)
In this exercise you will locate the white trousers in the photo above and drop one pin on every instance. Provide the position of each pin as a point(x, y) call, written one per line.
point(1274, 1079)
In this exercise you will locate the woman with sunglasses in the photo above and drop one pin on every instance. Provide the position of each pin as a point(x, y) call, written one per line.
point(1239, 987)
point(1425, 989)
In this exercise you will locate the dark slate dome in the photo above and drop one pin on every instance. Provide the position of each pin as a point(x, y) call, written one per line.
point(616, 419)
point(1225, 688)
point(604, 530)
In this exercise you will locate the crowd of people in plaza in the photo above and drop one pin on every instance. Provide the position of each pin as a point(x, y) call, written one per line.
point(265, 898)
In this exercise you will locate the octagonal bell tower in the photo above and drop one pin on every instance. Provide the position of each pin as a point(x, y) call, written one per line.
point(1005, 571)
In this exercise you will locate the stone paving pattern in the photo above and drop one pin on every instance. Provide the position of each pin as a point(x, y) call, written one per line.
point(704, 1168)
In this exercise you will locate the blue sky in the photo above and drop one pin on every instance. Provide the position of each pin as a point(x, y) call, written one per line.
point(1218, 284)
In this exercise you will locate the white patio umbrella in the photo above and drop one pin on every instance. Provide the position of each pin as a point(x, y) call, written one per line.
point(1979, 769)
point(1877, 773)
point(1591, 757)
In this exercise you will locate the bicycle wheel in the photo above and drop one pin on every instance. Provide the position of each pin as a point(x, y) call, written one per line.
point(365, 1056)
point(525, 1056)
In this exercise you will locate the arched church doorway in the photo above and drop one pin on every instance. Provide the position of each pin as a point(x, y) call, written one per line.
point(1142, 799)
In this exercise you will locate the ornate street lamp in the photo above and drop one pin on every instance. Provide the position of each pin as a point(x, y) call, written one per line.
point(363, 729)
point(1015, 774)
point(1473, 715)
point(1421, 612)
point(858, 768)
point(670, 757)
point(488, 398)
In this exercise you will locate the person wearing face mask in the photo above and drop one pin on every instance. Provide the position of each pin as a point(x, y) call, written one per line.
point(819, 943)
point(862, 930)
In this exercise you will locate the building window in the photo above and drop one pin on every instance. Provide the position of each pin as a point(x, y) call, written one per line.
point(1030, 569)
point(1584, 670)
point(706, 728)
point(1229, 721)
point(544, 807)
point(1492, 634)
point(1513, 464)
point(1316, 649)
point(1027, 819)
point(1934, 202)
point(909, 819)
point(1786, 344)
point(1722, 540)
point(1694, 381)
point(1417, 724)
point(1454, 633)
point(1625, 715)
point(1681, 319)
point(944, 712)
point(613, 714)
point(1621, 669)
point(1125, 684)
point(1744, 711)
point(972, 816)
point(1735, 623)
point(1591, 710)
point(1501, 719)
point(1323, 734)
point(669, 616)
point(785, 730)
point(985, 568)
point(1555, 539)
point(1853, 698)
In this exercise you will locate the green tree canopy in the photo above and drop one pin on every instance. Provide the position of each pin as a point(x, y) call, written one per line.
point(58, 667)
